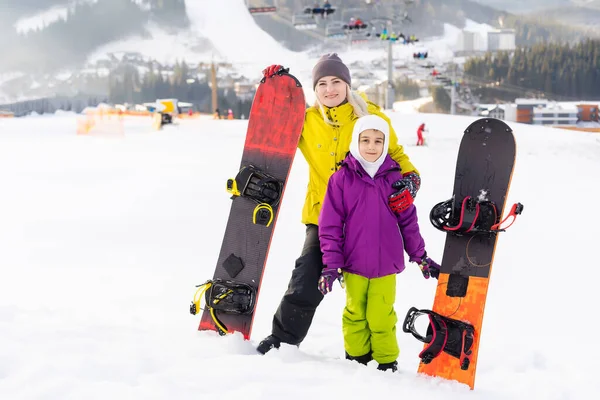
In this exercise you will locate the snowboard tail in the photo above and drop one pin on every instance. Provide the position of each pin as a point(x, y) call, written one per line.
point(274, 128)
point(483, 174)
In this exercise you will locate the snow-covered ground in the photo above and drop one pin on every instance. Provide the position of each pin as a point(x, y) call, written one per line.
point(103, 239)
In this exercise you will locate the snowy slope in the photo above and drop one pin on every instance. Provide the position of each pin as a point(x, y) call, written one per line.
point(224, 31)
point(103, 240)
point(227, 26)
point(43, 18)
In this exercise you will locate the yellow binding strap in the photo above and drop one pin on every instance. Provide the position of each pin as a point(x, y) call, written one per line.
point(263, 206)
point(198, 298)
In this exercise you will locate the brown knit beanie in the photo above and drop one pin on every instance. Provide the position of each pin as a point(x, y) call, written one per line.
point(330, 65)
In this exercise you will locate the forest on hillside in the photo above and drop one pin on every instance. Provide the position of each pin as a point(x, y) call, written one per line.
point(556, 71)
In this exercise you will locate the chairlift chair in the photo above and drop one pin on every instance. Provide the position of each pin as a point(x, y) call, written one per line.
point(304, 21)
point(262, 10)
point(335, 30)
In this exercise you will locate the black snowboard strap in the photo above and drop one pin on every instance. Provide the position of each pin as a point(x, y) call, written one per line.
point(257, 185)
point(443, 334)
point(260, 187)
point(227, 297)
point(472, 217)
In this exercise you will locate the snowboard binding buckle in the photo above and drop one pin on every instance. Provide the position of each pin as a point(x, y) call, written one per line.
point(443, 334)
point(260, 187)
point(225, 296)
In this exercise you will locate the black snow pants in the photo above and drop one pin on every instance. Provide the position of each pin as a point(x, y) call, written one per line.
point(299, 303)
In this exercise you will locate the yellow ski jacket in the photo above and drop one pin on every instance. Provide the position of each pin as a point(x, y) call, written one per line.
point(325, 146)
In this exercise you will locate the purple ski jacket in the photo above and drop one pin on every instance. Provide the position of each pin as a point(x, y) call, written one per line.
point(357, 229)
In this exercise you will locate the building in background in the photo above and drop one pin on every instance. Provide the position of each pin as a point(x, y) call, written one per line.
point(497, 112)
point(588, 113)
point(545, 112)
point(476, 41)
point(501, 40)
point(470, 42)
point(522, 110)
point(555, 114)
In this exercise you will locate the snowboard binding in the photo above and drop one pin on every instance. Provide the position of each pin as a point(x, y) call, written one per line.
point(227, 297)
point(260, 187)
point(472, 217)
point(443, 334)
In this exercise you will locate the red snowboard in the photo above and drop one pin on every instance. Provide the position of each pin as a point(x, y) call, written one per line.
point(274, 128)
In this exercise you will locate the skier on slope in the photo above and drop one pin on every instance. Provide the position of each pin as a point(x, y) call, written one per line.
point(324, 143)
point(420, 130)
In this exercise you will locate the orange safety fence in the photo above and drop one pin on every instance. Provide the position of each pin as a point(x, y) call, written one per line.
point(105, 122)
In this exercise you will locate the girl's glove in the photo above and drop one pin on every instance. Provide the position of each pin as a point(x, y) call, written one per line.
point(328, 276)
point(407, 189)
point(428, 267)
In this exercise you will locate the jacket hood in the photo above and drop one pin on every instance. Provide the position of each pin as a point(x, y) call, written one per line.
point(362, 124)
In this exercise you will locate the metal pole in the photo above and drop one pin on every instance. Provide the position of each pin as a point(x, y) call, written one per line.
point(213, 81)
point(349, 35)
point(453, 91)
point(390, 93)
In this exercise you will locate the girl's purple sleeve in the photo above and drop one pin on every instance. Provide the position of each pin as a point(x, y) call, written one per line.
point(331, 225)
point(414, 245)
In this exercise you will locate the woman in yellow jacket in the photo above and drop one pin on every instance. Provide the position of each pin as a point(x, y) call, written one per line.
point(324, 143)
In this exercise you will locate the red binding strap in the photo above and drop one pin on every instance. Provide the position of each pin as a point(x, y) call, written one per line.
point(462, 215)
point(514, 211)
point(436, 345)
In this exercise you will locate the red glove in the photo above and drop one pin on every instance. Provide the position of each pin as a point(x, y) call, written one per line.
point(400, 201)
point(407, 191)
point(272, 70)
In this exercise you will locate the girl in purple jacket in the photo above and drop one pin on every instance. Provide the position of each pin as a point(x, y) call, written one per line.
point(364, 241)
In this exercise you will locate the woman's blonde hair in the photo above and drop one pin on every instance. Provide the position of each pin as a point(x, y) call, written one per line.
point(358, 104)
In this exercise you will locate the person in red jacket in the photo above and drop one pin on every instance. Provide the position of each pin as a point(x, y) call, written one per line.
point(420, 130)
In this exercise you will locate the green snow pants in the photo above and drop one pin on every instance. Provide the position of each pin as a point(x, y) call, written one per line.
point(369, 320)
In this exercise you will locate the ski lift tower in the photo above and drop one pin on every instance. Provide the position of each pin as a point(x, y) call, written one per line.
point(213, 67)
point(390, 93)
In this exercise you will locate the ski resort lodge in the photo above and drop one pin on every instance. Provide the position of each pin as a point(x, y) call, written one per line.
point(546, 112)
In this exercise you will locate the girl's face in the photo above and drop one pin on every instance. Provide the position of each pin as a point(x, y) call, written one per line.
point(331, 91)
point(370, 144)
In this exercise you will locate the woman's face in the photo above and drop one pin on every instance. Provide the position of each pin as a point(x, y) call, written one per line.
point(331, 91)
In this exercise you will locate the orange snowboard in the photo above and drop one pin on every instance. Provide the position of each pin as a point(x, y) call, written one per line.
point(484, 170)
